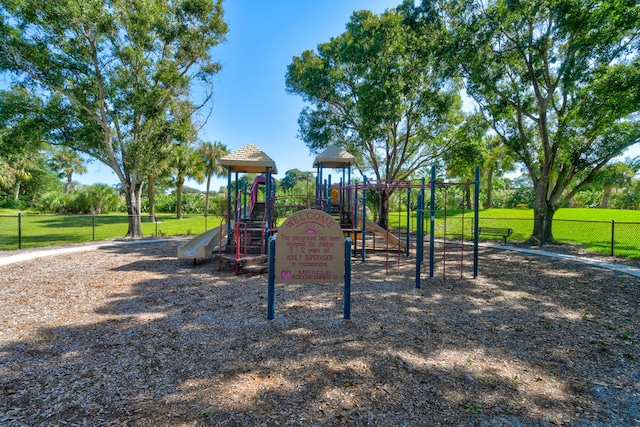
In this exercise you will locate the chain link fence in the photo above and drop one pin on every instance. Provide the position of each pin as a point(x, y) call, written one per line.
point(603, 237)
point(24, 231)
point(39, 230)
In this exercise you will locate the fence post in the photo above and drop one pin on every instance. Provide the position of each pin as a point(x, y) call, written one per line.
point(19, 230)
point(613, 227)
point(93, 228)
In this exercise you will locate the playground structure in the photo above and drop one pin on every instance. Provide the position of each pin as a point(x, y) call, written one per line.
point(251, 215)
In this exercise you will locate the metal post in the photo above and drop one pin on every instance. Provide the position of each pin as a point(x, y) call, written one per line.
point(476, 221)
point(236, 208)
point(19, 230)
point(421, 208)
point(613, 228)
point(271, 286)
point(364, 215)
point(408, 218)
point(347, 278)
point(268, 189)
point(432, 221)
point(349, 189)
point(93, 228)
point(228, 202)
point(329, 194)
point(419, 240)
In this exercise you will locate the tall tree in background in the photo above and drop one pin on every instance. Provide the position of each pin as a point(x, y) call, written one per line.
point(376, 91)
point(69, 162)
point(186, 164)
point(22, 132)
point(559, 80)
point(120, 72)
point(615, 175)
point(210, 154)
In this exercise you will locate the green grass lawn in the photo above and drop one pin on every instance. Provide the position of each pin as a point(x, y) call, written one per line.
point(38, 230)
point(591, 228)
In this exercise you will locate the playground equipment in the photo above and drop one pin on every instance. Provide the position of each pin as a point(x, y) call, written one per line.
point(204, 245)
point(251, 220)
point(348, 199)
point(248, 229)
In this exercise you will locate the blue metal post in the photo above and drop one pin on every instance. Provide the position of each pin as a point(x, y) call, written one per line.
point(318, 185)
point(229, 201)
point(421, 209)
point(329, 194)
point(349, 189)
point(476, 221)
point(347, 278)
point(432, 223)
point(268, 207)
point(364, 215)
point(419, 241)
point(271, 286)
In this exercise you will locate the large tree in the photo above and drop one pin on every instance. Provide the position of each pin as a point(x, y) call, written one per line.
point(558, 79)
point(376, 91)
point(122, 70)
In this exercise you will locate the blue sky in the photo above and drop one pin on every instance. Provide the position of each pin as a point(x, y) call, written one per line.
point(250, 102)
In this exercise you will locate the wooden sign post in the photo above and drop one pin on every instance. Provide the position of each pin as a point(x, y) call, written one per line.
point(310, 248)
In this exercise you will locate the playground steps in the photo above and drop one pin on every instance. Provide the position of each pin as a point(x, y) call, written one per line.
point(342, 217)
point(246, 247)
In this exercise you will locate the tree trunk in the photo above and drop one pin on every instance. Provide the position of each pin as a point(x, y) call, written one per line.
point(133, 195)
point(16, 195)
point(606, 196)
point(179, 185)
point(543, 217)
point(67, 186)
point(489, 203)
point(151, 184)
point(383, 208)
point(206, 197)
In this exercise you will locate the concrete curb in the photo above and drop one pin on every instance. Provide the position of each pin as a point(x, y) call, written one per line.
point(48, 252)
point(626, 269)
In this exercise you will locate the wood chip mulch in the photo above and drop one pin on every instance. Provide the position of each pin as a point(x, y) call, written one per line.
point(130, 335)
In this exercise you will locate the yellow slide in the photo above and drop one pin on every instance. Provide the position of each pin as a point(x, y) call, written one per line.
point(391, 238)
point(203, 245)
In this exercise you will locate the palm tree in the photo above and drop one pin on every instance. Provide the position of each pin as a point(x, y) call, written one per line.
point(69, 162)
point(15, 170)
point(186, 164)
point(210, 154)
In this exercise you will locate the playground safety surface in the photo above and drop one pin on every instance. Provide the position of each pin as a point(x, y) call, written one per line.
point(131, 335)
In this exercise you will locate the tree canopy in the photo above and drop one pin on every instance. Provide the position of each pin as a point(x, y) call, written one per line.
point(119, 72)
point(376, 91)
point(558, 80)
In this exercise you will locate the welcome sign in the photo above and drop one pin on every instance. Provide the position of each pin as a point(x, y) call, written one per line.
point(309, 249)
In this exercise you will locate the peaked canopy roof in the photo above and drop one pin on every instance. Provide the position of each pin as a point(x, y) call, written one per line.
point(334, 157)
point(249, 159)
